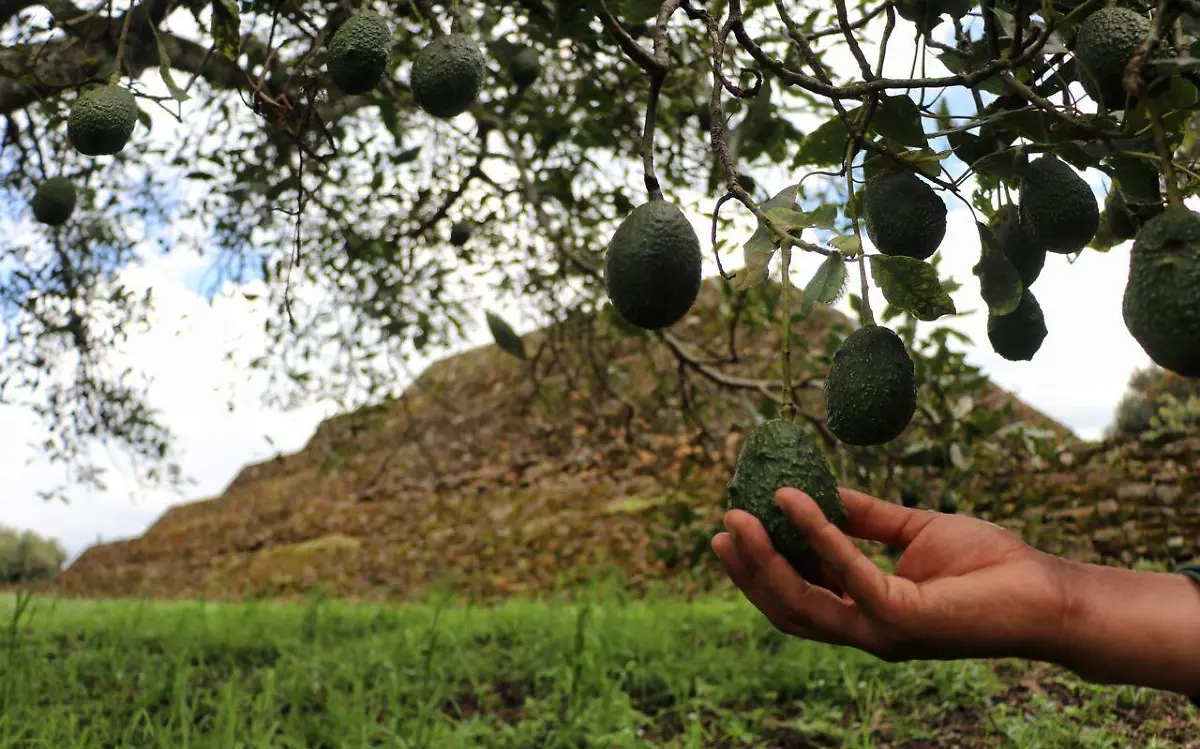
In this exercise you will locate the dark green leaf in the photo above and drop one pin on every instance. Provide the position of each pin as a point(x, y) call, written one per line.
point(899, 119)
point(164, 68)
point(911, 285)
point(827, 284)
point(506, 338)
point(826, 145)
point(226, 27)
point(999, 283)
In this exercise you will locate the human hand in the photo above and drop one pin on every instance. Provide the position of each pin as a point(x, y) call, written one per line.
point(963, 588)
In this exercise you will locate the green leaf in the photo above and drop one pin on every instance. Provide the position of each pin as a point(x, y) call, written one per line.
point(827, 284)
point(899, 119)
point(999, 283)
point(849, 245)
point(761, 246)
point(506, 338)
point(164, 68)
point(826, 145)
point(911, 285)
point(823, 217)
point(226, 27)
point(927, 161)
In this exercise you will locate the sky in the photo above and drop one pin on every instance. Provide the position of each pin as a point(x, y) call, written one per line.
point(1077, 377)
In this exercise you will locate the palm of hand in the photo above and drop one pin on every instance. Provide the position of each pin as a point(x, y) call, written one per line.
point(954, 546)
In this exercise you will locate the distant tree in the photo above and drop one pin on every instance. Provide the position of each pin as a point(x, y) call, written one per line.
point(1157, 399)
point(27, 557)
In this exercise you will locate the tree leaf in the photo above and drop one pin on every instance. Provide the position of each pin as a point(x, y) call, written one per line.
point(761, 246)
point(826, 145)
point(822, 217)
point(827, 283)
point(849, 245)
point(164, 68)
point(911, 285)
point(999, 284)
point(899, 119)
point(506, 338)
point(226, 27)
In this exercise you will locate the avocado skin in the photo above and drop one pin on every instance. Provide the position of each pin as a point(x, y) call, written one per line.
point(54, 201)
point(1105, 43)
point(1018, 335)
point(871, 388)
point(525, 67)
point(447, 75)
point(1124, 217)
point(904, 216)
point(102, 120)
point(1057, 206)
point(652, 266)
point(360, 52)
point(1021, 247)
point(779, 454)
point(1161, 306)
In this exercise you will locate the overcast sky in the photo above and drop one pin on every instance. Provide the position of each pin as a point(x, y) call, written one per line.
point(1077, 377)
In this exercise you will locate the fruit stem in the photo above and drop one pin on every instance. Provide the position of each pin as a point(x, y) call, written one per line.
point(652, 186)
point(1164, 154)
point(787, 408)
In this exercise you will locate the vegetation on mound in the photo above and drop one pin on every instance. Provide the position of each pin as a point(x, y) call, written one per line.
point(598, 671)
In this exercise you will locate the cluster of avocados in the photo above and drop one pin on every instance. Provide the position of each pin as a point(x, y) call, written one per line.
point(447, 77)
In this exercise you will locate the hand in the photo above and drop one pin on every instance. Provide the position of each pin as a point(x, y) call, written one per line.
point(963, 588)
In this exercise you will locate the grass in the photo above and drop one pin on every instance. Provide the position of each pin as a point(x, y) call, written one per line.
point(601, 672)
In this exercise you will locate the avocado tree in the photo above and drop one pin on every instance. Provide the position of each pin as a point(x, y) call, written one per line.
point(388, 156)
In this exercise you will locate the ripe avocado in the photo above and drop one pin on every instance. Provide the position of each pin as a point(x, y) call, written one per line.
point(652, 266)
point(1126, 216)
point(904, 216)
point(1021, 248)
point(1057, 206)
point(447, 75)
point(525, 67)
point(781, 454)
point(1105, 43)
point(54, 201)
point(1018, 335)
point(360, 52)
point(871, 388)
point(102, 120)
point(1162, 297)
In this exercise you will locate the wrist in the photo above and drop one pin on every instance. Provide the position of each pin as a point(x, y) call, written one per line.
point(1122, 626)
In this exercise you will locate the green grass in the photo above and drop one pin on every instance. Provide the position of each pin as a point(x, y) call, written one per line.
point(600, 673)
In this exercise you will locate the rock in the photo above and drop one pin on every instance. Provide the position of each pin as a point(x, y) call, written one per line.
point(1127, 492)
point(1107, 507)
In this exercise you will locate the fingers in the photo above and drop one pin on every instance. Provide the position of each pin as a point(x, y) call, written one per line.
point(876, 520)
point(858, 575)
point(792, 604)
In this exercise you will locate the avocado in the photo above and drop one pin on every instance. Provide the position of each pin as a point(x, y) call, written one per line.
point(102, 120)
point(904, 216)
point(871, 388)
point(525, 67)
point(948, 502)
point(652, 266)
point(447, 75)
point(360, 52)
point(1125, 216)
point(54, 201)
point(1021, 247)
point(1104, 44)
point(1057, 206)
point(1162, 297)
point(775, 455)
point(1018, 335)
point(460, 232)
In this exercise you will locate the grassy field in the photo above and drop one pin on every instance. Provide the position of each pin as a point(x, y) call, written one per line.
point(601, 672)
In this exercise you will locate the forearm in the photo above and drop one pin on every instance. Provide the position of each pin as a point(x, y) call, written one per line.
point(1128, 627)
